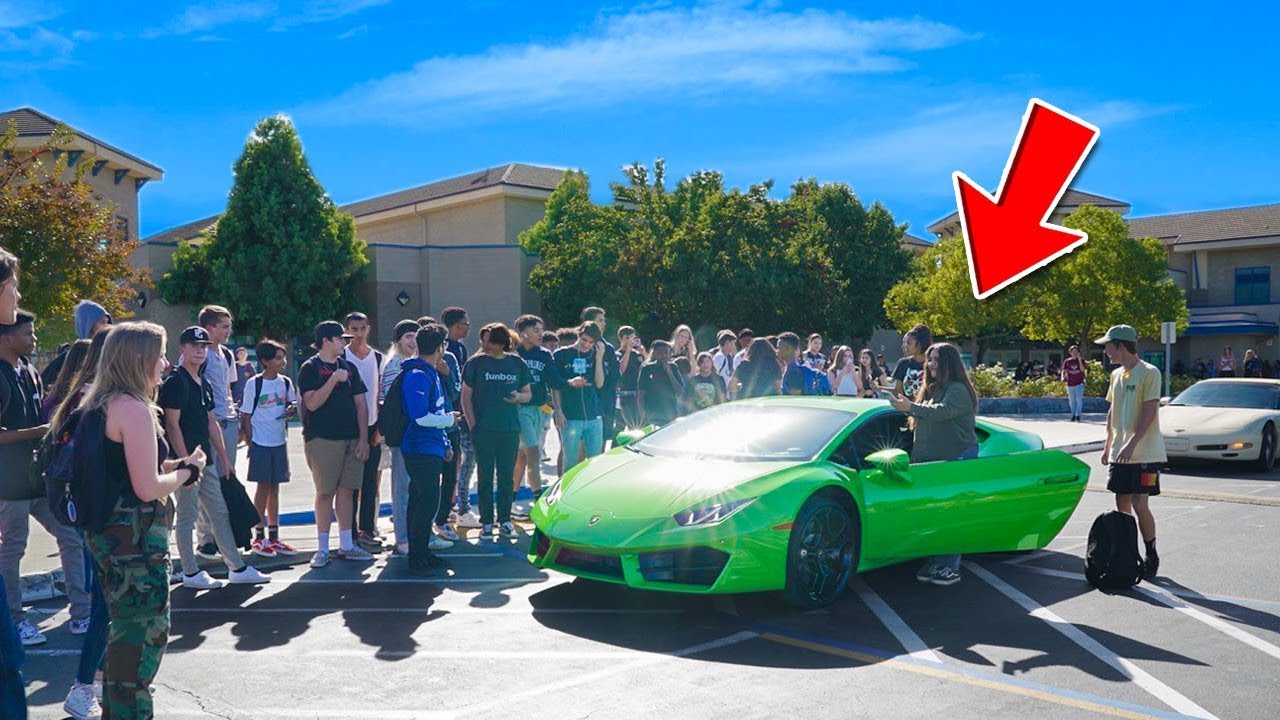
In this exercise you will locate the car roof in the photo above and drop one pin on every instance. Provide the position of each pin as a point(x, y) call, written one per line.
point(1252, 381)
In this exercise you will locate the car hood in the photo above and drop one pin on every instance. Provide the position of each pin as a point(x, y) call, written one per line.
point(628, 484)
point(1193, 420)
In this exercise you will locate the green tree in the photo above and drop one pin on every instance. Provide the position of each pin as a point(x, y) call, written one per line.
point(1112, 279)
point(939, 294)
point(189, 280)
point(65, 236)
point(282, 256)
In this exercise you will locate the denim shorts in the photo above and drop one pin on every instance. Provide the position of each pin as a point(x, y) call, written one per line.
point(268, 464)
point(530, 425)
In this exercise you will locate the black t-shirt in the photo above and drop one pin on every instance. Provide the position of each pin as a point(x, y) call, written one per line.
point(630, 380)
point(758, 380)
point(457, 350)
point(910, 372)
point(336, 418)
point(578, 403)
point(492, 379)
point(193, 399)
point(703, 391)
point(543, 375)
point(662, 386)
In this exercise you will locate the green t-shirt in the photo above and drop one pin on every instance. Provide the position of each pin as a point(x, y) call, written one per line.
point(1128, 391)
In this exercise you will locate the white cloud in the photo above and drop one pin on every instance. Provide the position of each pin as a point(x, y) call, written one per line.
point(206, 17)
point(354, 32)
point(24, 14)
point(317, 11)
point(656, 51)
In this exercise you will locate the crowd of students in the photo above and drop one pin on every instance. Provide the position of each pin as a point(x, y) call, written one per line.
point(169, 438)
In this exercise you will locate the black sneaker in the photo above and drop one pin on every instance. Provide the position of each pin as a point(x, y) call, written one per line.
point(208, 552)
point(1151, 567)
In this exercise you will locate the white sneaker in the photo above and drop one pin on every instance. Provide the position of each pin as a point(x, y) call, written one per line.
point(29, 634)
point(438, 543)
point(469, 519)
point(82, 704)
point(448, 533)
point(78, 627)
point(200, 581)
point(356, 553)
point(247, 575)
point(320, 559)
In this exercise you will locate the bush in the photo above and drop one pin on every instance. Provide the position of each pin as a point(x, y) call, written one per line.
point(1181, 382)
point(992, 381)
point(1095, 385)
point(1042, 387)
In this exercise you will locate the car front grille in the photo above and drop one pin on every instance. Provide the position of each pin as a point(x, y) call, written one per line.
point(688, 566)
point(606, 565)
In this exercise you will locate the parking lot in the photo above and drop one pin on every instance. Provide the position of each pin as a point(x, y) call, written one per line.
point(1022, 635)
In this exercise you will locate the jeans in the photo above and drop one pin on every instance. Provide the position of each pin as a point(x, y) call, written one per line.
point(399, 496)
point(364, 511)
point(94, 648)
point(448, 482)
point(953, 561)
point(424, 500)
point(205, 499)
point(1075, 397)
point(15, 524)
point(465, 453)
point(13, 691)
point(496, 463)
point(580, 435)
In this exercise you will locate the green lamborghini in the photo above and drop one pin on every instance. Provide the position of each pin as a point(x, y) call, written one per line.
point(795, 494)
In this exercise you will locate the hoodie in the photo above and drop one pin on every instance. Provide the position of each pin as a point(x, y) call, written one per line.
point(88, 312)
point(427, 407)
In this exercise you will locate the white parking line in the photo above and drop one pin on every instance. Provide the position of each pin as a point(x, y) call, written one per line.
point(1140, 677)
point(911, 642)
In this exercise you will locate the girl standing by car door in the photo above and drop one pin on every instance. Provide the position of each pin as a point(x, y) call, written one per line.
point(944, 417)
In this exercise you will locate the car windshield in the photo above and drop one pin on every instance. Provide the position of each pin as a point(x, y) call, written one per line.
point(1257, 396)
point(748, 433)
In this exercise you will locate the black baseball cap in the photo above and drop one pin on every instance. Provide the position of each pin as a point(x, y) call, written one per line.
point(330, 329)
point(195, 335)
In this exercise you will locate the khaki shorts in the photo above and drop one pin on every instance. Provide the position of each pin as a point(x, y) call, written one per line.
point(334, 465)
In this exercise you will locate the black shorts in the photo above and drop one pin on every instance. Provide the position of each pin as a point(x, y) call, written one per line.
point(1134, 478)
point(268, 465)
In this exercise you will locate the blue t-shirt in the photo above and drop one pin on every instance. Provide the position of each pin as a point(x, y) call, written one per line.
point(423, 394)
point(806, 380)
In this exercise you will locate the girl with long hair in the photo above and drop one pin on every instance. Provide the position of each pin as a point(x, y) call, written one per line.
point(869, 374)
point(9, 295)
point(759, 374)
point(944, 416)
point(72, 361)
point(131, 553)
point(846, 378)
point(683, 346)
point(84, 375)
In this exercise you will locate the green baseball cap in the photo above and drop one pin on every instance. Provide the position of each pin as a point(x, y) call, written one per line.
point(1118, 332)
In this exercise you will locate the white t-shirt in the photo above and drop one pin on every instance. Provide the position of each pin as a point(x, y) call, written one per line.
point(268, 419)
point(724, 365)
point(368, 369)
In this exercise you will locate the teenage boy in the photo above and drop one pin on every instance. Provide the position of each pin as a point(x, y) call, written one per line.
point(798, 378)
point(269, 401)
point(661, 387)
point(543, 376)
point(1134, 450)
point(368, 363)
point(425, 448)
point(908, 374)
point(722, 361)
point(495, 383)
point(451, 378)
point(746, 336)
point(458, 323)
point(335, 430)
point(578, 408)
point(187, 398)
point(21, 428)
point(609, 391)
point(630, 363)
point(220, 371)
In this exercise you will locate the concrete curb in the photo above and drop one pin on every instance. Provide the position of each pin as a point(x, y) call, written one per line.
point(1081, 448)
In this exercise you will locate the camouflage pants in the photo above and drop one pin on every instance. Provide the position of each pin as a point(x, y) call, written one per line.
point(132, 558)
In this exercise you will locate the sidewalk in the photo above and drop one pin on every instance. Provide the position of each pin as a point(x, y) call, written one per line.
point(43, 577)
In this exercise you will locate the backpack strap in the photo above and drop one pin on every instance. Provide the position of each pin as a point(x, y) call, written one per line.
point(257, 390)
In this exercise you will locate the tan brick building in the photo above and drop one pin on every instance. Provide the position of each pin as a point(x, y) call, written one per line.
point(452, 242)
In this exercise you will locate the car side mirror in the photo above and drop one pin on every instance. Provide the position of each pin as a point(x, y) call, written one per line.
point(894, 462)
point(626, 437)
point(1165, 401)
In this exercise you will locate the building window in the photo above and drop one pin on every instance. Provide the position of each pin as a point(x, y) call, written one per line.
point(1253, 286)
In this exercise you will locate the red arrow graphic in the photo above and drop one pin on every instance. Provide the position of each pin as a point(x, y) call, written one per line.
point(1009, 235)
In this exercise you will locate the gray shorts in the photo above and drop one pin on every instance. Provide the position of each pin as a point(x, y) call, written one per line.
point(530, 425)
point(268, 465)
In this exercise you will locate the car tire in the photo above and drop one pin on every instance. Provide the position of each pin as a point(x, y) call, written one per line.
point(822, 553)
point(1266, 450)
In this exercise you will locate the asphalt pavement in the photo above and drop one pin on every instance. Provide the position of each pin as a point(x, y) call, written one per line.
point(1021, 636)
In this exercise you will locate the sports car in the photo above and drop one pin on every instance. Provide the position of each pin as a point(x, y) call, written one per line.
point(1224, 419)
point(795, 494)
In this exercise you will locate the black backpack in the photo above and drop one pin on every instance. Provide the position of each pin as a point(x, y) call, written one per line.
point(1112, 563)
point(75, 477)
point(393, 421)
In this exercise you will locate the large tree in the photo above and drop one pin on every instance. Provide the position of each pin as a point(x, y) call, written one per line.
point(64, 234)
point(713, 257)
point(1112, 279)
point(939, 294)
point(282, 256)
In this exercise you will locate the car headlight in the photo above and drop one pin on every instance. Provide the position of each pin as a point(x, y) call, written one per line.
point(552, 495)
point(711, 514)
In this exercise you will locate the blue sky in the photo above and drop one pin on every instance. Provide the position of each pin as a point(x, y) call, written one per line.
point(887, 97)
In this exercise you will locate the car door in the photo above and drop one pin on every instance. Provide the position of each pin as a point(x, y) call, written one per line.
point(886, 502)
